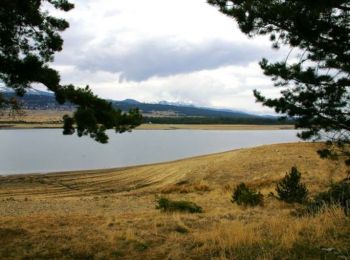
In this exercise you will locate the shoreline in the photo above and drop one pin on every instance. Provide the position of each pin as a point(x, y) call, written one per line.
point(9, 126)
point(133, 167)
point(122, 168)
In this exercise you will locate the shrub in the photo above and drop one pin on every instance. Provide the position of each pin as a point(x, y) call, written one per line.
point(337, 194)
point(181, 229)
point(290, 190)
point(183, 206)
point(310, 208)
point(242, 195)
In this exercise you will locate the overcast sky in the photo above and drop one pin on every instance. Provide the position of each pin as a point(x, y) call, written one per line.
point(174, 50)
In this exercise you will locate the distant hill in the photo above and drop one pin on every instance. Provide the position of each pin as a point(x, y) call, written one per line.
point(179, 110)
point(163, 112)
point(31, 91)
point(39, 100)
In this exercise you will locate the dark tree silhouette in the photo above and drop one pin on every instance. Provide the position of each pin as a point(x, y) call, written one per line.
point(29, 38)
point(315, 88)
point(290, 189)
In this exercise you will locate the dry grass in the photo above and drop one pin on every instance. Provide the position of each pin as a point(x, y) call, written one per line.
point(38, 116)
point(34, 119)
point(273, 236)
point(111, 213)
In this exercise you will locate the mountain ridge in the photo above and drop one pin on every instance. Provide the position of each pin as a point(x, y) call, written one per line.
point(36, 99)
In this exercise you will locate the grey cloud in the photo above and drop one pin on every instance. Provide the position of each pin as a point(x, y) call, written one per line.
point(162, 58)
point(92, 51)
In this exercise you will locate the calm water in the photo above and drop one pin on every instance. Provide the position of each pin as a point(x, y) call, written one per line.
point(47, 150)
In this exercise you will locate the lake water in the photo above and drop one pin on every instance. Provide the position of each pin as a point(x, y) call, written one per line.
point(47, 150)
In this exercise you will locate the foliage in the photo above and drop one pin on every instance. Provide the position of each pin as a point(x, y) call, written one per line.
point(181, 229)
point(242, 195)
point(215, 120)
point(181, 205)
point(315, 84)
point(338, 194)
point(29, 38)
point(290, 190)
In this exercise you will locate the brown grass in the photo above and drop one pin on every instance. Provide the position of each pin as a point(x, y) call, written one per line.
point(34, 119)
point(274, 236)
point(111, 213)
point(38, 116)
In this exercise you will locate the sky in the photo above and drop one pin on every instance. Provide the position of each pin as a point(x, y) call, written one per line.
point(174, 50)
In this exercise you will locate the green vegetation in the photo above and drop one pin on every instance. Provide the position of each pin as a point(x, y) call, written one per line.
point(242, 195)
point(181, 205)
point(216, 120)
point(314, 77)
point(290, 190)
point(338, 195)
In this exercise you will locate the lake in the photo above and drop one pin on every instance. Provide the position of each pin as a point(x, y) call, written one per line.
point(47, 150)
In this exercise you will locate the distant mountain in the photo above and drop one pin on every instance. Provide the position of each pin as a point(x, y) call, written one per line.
point(30, 91)
point(182, 104)
point(39, 93)
point(129, 101)
point(35, 99)
point(179, 111)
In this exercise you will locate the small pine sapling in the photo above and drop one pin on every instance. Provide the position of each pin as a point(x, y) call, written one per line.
point(244, 196)
point(290, 189)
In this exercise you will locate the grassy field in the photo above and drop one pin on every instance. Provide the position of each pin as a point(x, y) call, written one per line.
point(33, 119)
point(38, 116)
point(111, 213)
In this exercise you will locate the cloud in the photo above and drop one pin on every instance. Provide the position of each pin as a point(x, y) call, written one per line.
point(174, 50)
point(159, 57)
point(150, 39)
point(225, 87)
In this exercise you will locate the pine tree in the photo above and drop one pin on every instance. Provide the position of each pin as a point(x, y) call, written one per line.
point(243, 195)
point(315, 88)
point(29, 38)
point(290, 190)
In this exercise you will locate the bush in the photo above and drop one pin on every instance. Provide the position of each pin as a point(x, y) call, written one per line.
point(290, 190)
point(242, 195)
point(337, 194)
point(310, 208)
point(183, 206)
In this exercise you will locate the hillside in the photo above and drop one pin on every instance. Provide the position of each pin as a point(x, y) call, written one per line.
point(111, 213)
point(179, 111)
point(40, 100)
point(44, 100)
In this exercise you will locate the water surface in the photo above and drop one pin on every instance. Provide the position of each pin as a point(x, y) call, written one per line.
point(47, 150)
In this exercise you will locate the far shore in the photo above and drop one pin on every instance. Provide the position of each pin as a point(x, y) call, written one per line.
point(158, 126)
point(213, 127)
point(42, 119)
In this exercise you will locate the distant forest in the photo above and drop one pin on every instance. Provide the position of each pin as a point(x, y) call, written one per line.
point(217, 120)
